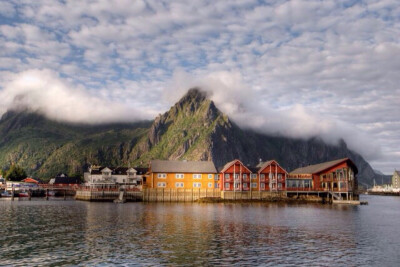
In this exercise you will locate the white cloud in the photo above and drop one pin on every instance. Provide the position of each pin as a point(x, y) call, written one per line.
point(318, 60)
point(43, 91)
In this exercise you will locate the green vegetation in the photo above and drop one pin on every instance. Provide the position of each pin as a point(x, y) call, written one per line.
point(193, 129)
point(15, 173)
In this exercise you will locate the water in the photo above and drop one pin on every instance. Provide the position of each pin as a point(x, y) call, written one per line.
point(61, 232)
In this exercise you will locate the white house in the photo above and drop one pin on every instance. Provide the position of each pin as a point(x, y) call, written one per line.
point(98, 176)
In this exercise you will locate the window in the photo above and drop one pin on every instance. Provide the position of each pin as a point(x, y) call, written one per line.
point(226, 175)
point(227, 186)
point(197, 185)
point(236, 176)
point(279, 175)
point(196, 176)
point(253, 185)
point(245, 186)
point(179, 185)
point(271, 175)
point(262, 185)
point(244, 176)
point(123, 180)
point(279, 185)
point(253, 176)
point(210, 176)
point(210, 185)
point(179, 176)
point(161, 184)
point(237, 185)
point(262, 176)
point(162, 175)
point(215, 185)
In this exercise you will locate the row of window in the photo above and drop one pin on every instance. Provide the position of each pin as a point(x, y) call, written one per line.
point(181, 185)
point(254, 176)
point(181, 176)
point(253, 185)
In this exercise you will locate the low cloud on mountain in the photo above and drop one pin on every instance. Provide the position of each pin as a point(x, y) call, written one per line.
point(297, 67)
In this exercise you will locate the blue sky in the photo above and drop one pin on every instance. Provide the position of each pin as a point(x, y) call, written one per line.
point(297, 68)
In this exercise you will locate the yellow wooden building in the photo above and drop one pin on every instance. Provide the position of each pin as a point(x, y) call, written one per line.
point(182, 174)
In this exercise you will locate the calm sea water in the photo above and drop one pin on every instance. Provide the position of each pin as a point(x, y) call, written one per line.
point(61, 232)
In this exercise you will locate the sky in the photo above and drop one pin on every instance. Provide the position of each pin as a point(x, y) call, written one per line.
point(294, 68)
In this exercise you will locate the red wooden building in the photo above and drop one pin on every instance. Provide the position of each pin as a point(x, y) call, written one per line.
point(266, 176)
point(235, 176)
point(272, 177)
point(336, 177)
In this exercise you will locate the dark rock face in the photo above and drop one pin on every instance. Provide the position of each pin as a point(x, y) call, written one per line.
point(192, 129)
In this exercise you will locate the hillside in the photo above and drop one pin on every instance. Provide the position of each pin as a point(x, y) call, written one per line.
point(193, 129)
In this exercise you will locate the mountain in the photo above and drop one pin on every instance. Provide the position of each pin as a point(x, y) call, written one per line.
point(193, 129)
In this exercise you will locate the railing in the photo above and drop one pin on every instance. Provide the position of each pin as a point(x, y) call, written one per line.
point(327, 180)
point(299, 189)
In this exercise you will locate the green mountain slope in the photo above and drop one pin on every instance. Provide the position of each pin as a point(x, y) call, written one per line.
point(193, 129)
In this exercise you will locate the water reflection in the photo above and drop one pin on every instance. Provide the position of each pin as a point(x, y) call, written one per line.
point(82, 233)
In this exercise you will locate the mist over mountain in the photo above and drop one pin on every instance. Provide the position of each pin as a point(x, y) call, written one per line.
point(193, 129)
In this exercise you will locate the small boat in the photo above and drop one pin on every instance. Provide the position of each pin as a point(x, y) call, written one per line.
point(6, 194)
point(23, 194)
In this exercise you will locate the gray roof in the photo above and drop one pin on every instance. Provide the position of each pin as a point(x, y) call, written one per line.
point(177, 166)
point(321, 167)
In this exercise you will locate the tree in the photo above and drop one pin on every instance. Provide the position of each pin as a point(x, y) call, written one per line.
point(15, 173)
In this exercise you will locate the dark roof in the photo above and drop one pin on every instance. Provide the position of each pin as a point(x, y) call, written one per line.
point(67, 180)
point(321, 167)
point(177, 166)
point(61, 175)
point(141, 171)
point(119, 170)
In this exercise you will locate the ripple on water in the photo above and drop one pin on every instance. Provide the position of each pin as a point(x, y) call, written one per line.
point(81, 233)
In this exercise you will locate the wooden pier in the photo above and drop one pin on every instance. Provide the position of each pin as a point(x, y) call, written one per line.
point(108, 195)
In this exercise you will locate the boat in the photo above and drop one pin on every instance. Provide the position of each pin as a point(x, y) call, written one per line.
point(5, 194)
point(23, 194)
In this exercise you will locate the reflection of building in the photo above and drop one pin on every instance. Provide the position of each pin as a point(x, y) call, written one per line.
point(182, 174)
point(396, 180)
point(337, 176)
point(266, 176)
point(98, 176)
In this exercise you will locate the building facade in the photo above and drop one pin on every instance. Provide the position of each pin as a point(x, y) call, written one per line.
point(396, 180)
point(266, 176)
point(98, 176)
point(182, 174)
point(334, 176)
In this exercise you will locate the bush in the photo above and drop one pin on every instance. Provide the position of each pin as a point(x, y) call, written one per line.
point(15, 173)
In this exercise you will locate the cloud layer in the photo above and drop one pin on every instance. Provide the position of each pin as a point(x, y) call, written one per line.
point(298, 68)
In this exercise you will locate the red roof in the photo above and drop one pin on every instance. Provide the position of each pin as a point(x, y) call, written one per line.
point(30, 180)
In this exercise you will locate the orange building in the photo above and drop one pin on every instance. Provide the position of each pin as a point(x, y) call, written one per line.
point(182, 174)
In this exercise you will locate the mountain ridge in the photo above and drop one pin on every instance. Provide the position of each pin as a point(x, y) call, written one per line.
point(192, 129)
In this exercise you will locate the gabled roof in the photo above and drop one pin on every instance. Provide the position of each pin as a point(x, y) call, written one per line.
point(106, 169)
point(176, 166)
point(30, 180)
point(317, 168)
point(229, 164)
point(262, 165)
